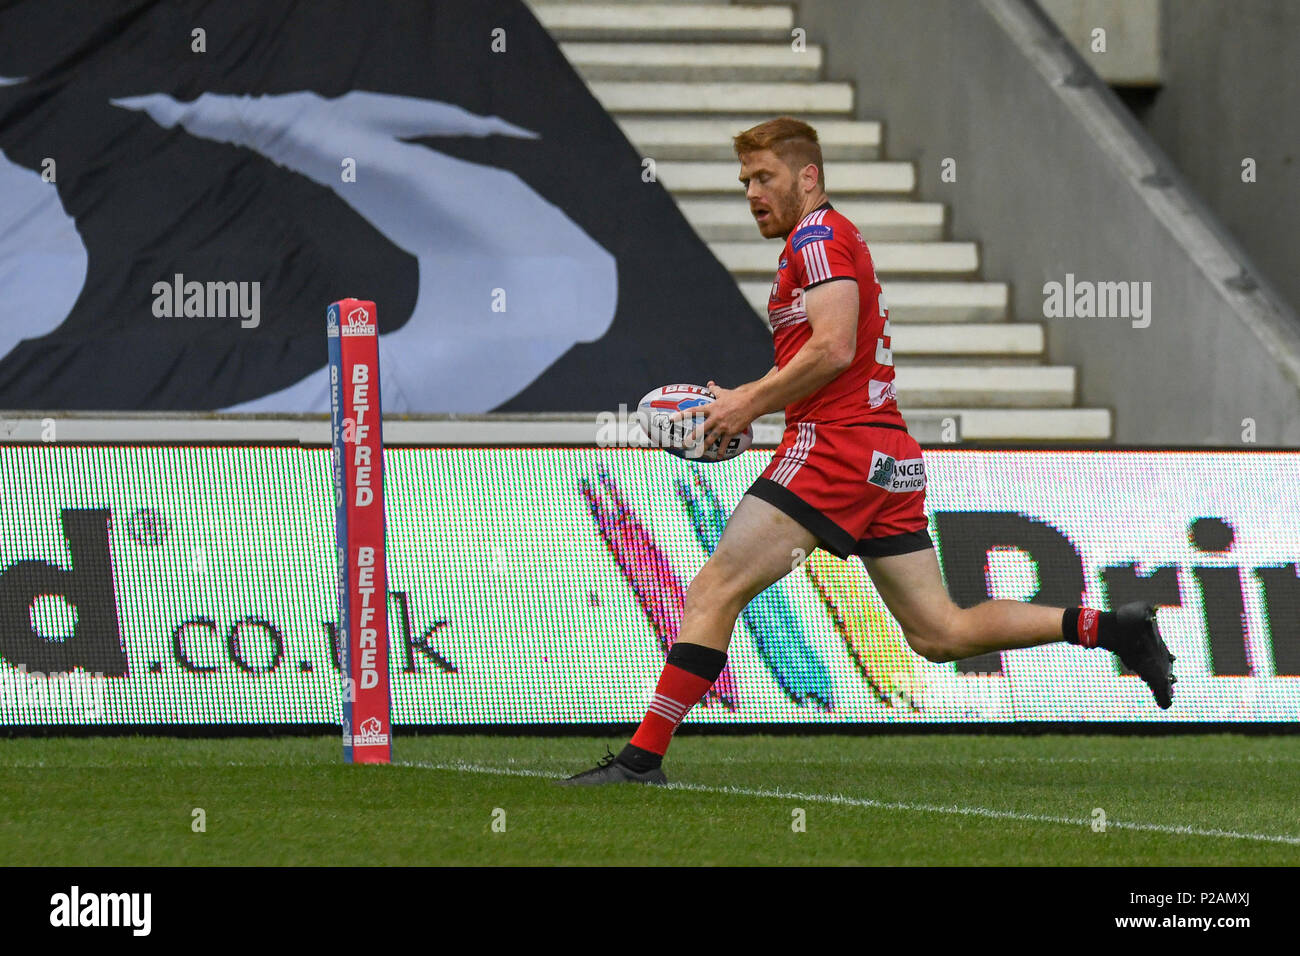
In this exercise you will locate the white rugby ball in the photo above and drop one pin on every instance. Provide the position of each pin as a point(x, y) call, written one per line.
point(653, 413)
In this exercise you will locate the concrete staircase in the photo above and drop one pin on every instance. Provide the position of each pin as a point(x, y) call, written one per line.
point(682, 77)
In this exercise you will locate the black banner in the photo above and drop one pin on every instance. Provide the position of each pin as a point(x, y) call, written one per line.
point(185, 186)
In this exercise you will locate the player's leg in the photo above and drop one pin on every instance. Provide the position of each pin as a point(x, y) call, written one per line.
point(760, 545)
point(939, 630)
point(912, 588)
point(758, 548)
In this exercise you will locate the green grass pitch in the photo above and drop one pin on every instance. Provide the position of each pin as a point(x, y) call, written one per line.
point(892, 800)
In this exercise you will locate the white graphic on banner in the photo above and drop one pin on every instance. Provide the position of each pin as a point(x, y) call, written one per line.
point(42, 258)
point(473, 228)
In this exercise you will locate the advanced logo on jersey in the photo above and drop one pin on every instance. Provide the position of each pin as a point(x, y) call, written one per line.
point(810, 234)
point(897, 474)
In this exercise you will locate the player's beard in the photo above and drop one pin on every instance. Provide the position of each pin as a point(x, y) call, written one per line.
point(788, 213)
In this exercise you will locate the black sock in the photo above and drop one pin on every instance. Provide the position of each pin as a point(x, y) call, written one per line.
point(639, 759)
point(697, 659)
point(1099, 628)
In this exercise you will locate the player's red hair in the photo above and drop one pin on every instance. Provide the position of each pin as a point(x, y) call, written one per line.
point(793, 141)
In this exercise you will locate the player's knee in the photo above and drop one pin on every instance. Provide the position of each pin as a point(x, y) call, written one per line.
point(936, 641)
point(930, 645)
point(939, 637)
point(712, 591)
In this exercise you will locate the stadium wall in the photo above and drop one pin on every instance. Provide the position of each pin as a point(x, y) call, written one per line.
point(1055, 178)
point(1225, 101)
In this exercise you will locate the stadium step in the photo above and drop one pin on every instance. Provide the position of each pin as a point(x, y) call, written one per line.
point(677, 138)
point(761, 99)
point(1003, 339)
point(750, 259)
point(1021, 343)
point(643, 22)
point(729, 219)
point(942, 302)
point(683, 77)
point(878, 176)
point(978, 385)
point(1029, 424)
point(694, 62)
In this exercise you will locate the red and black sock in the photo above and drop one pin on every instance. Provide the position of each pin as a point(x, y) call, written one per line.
point(1088, 627)
point(688, 674)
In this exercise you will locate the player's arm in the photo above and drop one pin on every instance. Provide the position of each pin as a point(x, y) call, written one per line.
point(832, 309)
point(770, 372)
point(716, 388)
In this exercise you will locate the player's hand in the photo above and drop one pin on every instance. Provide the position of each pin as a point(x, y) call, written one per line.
point(729, 414)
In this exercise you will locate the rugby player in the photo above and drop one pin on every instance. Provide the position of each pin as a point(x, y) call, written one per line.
point(846, 477)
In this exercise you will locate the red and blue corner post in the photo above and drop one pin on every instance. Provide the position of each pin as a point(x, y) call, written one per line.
point(358, 468)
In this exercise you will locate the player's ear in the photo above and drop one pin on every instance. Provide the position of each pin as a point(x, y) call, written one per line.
point(808, 176)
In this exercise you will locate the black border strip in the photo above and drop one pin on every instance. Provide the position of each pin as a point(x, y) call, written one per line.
point(813, 285)
point(1125, 728)
point(894, 544)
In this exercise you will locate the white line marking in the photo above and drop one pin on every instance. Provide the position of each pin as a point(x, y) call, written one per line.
point(954, 810)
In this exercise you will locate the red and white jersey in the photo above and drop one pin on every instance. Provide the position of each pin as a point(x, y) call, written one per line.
point(827, 247)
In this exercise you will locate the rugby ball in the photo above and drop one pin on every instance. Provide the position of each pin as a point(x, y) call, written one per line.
point(653, 414)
